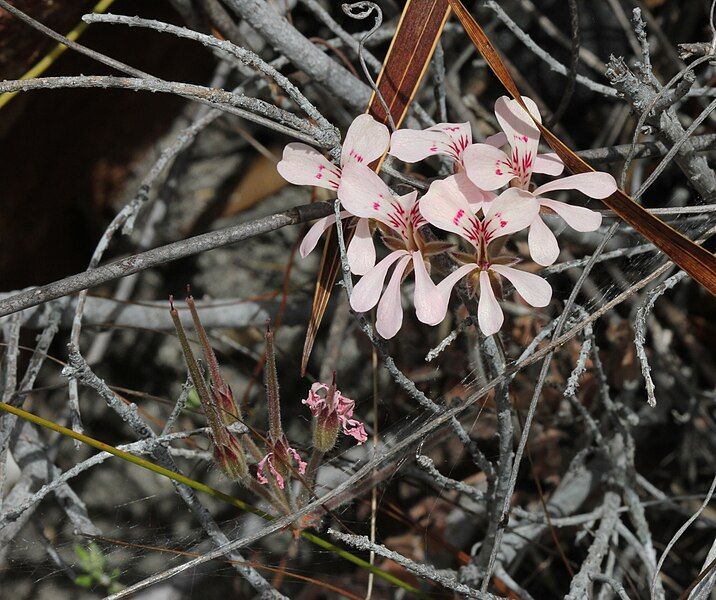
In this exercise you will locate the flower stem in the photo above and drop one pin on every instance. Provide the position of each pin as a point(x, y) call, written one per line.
point(272, 392)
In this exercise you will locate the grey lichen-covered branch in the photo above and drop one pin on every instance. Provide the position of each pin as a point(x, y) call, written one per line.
point(280, 34)
point(77, 368)
point(162, 255)
point(446, 579)
point(640, 94)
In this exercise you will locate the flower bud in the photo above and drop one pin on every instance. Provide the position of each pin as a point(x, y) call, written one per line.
point(229, 455)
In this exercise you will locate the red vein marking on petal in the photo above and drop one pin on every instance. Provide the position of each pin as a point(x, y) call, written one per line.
point(357, 157)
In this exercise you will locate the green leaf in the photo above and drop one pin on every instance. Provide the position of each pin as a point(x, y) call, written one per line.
point(192, 399)
point(84, 580)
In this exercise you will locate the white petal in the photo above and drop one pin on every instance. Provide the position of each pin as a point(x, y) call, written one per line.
point(366, 195)
point(549, 164)
point(446, 206)
point(577, 217)
point(361, 250)
point(460, 136)
point(366, 292)
point(426, 297)
point(412, 146)
point(544, 249)
point(366, 141)
point(595, 184)
point(314, 234)
point(517, 123)
point(534, 289)
point(390, 310)
point(444, 290)
point(489, 313)
point(303, 165)
point(487, 167)
point(513, 210)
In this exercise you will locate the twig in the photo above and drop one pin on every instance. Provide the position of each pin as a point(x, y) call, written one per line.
point(699, 143)
point(640, 326)
point(449, 339)
point(536, 395)
point(145, 446)
point(574, 63)
point(644, 98)
point(251, 109)
point(164, 254)
point(679, 533)
point(427, 465)
point(278, 32)
point(616, 586)
point(547, 58)
point(410, 439)
point(447, 580)
point(579, 587)
point(330, 135)
point(77, 368)
point(345, 37)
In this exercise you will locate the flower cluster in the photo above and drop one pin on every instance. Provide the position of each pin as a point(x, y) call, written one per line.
point(489, 196)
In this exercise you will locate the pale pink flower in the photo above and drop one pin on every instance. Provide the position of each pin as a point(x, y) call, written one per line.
point(490, 168)
point(364, 194)
point(542, 242)
point(366, 141)
point(446, 206)
point(447, 139)
point(326, 404)
point(278, 462)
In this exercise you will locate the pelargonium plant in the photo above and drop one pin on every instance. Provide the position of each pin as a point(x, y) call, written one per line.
point(278, 463)
point(487, 199)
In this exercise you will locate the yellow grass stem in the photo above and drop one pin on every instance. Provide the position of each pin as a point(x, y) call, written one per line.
point(57, 51)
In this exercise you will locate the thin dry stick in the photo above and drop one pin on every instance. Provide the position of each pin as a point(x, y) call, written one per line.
point(162, 255)
point(678, 534)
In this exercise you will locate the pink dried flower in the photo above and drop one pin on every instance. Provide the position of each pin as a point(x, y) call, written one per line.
point(279, 462)
point(332, 410)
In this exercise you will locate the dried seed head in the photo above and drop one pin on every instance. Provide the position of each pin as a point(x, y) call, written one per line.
point(228, 409)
